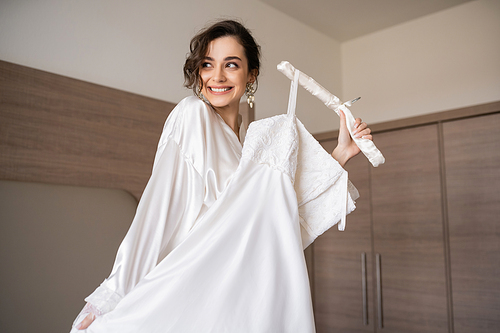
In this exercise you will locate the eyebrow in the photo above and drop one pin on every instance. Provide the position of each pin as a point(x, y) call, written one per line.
point(225, 59)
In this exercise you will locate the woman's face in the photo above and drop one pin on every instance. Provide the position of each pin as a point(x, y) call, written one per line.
point(225, 73)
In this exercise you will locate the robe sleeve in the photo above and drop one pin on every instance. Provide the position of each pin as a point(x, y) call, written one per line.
point(169, 207)
point(324, 193)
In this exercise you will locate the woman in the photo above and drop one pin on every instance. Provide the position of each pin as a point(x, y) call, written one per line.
point(217, 241)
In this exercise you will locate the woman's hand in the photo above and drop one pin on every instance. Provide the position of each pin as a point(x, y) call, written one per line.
point(89, 313)
point(86, 322)
point(346, 147)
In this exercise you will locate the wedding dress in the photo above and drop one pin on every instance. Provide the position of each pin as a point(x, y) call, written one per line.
point(217, 241)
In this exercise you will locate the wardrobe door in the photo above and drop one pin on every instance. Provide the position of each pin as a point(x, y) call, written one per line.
point(341, 303)
point(472, 159)
point(408, 233)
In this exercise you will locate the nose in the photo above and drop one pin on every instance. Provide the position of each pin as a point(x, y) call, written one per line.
point(219, 74)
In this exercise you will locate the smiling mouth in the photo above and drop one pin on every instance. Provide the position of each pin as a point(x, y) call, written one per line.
point(220, 90)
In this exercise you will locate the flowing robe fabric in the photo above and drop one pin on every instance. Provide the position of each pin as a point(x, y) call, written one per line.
point(217, 241)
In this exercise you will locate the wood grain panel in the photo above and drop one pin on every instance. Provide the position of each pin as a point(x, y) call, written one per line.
point(408, 231)
point(55, 129)
point(472, 159)
point(427, 119)
point(337, 262)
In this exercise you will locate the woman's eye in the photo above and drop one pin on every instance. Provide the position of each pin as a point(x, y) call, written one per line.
point(206, 64)
point(232, 65)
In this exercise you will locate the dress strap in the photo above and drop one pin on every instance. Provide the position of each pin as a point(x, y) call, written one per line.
point(292, 99)
point(344, 199)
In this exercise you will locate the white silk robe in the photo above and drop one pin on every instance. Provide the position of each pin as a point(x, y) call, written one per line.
point(217, 241)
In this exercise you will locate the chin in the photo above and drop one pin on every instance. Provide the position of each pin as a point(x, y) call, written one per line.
point(220, 104)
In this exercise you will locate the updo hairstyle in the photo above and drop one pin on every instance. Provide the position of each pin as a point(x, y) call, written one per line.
point(199, 47)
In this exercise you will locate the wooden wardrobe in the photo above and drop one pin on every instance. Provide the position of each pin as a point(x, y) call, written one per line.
point(421, 253)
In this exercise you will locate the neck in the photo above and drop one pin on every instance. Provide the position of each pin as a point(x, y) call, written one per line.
point(230, 117)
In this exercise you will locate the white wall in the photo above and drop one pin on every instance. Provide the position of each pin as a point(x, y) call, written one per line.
point(442, 61)
point(140, 46)
point(447, 60)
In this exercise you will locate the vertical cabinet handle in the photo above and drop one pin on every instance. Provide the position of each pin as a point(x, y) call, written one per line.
point(363, 286)
point(379, 291)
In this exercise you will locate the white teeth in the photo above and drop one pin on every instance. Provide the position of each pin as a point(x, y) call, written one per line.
point(219, 89)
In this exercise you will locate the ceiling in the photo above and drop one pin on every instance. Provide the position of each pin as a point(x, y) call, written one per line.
point(347, 19)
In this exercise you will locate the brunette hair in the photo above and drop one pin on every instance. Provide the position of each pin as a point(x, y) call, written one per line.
point(199, 47)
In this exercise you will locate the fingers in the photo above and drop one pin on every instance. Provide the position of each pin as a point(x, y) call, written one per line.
point(362, 133)
point(357, 122)
point(367, 137)
point(86, 322)
point(365, 134)
point(342, 118)
point(361, 130)
point(343, 131)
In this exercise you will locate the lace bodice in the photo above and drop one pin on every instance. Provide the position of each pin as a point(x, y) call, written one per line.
point(273, 141)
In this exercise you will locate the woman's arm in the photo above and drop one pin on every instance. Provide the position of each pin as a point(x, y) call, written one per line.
point(166, 212)
point(168, 208)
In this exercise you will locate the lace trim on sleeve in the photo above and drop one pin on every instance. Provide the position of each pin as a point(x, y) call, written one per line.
point(87, 309)
point(104, 299)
